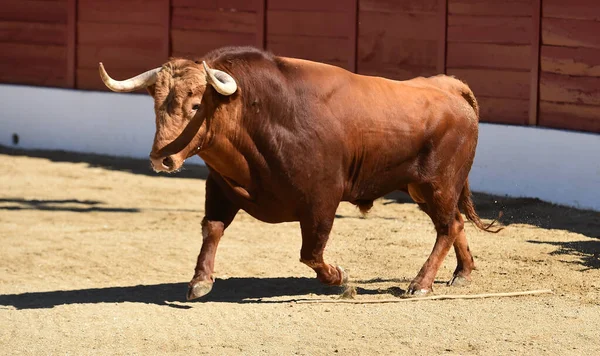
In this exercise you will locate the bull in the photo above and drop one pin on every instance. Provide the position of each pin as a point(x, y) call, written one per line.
point(287, 139)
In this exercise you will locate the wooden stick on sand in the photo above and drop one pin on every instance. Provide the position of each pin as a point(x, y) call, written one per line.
point(433, 297)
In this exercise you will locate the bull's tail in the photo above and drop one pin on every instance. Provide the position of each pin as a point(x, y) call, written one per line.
point(468, 208)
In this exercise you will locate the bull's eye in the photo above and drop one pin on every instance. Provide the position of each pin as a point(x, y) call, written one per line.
point(196, 107)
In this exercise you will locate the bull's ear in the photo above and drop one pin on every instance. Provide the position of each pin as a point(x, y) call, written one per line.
point(150, 89)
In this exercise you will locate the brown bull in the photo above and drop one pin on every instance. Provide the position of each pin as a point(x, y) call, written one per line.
point(288, 140)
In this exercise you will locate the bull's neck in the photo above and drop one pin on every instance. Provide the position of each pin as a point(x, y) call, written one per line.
point(231, 153)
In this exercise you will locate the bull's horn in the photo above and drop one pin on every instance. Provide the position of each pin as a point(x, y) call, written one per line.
point(138, 82)
point(221, 81)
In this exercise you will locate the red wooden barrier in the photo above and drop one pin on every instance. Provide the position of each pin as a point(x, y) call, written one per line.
point(530, 62)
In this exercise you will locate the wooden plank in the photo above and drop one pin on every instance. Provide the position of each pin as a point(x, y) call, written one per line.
point(395, 72)
point(33, 32)
point(404, 52)
point(166, 28)
point(120, 35)
point(34, 11)
point(261, 24)
point(320, 49)
point(35, 74)
point(392, 26)
point(495, 83)
point(317, 24)
point(571, 33)
point(71, 43)
point(490, 7)
point(131, 58)
point(569, 116)
point(571, 61)
point(572, 9)
point(338, 6)
point(149, 12)
point(353, 42)
point(186, 44)
point(406, 6)
point(503, 110)
point(488, 55)
point(229, 5)
point(490, 29)
point(21, 54)
point(442, 33)
point(534, 85)
point(567, 89)
point(214, 20)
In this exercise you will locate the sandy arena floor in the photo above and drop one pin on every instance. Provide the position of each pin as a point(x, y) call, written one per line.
point(96, 253)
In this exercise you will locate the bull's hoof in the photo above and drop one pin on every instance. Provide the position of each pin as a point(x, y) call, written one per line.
point(459, 281)
point(343, 275)
point(415, 290)
point(199, 289)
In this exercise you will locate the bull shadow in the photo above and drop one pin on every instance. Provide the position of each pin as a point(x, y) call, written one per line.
point(131, 165)
point(587, 251)
point(74, 205)
point(231, 290)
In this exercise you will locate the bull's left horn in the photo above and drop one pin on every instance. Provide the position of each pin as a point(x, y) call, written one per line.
point(138, 82)
point(221, 81)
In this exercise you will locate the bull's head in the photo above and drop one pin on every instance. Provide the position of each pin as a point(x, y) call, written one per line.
point(181, 106)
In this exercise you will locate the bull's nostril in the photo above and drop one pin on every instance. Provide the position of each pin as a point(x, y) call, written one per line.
point(168, 163)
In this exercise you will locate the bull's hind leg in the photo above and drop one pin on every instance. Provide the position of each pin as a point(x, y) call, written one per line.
point(219, 213)
point(464, 258)
point(441, 206)
point(315, 233)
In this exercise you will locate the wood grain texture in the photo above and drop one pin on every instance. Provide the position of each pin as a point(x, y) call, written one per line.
point(568, 89)
point(229, 5)
point(120, 35)
point(536, 12)
point(33, 32)
point(376, 51)
point(575, 61)
point(442, 16)
point(495, 83)
point(488, 55)
point(405, 6)
point(503, 110)
point(315, 24)
point(34, 11)
point(571, 33)
point(147, 12)
point(490, 29)
point(337, 6)
point(118, 57)
point(192, 44)
point(213, 20)
point(570, 116)
point(392, 26)
point(490, 7)
point(71, 28)
point(320, 49)
point(572, 9)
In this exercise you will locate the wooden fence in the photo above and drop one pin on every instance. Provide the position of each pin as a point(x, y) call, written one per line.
point(529, 62)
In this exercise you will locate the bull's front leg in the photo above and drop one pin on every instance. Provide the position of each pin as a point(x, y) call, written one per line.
point(315, 233)
point(219, 213)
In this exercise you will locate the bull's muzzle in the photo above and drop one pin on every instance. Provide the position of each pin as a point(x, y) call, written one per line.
point(163, 164)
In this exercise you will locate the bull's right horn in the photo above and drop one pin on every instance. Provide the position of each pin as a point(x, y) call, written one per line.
point(132, 84)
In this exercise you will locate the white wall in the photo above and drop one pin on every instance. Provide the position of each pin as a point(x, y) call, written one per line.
point(557, 166)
